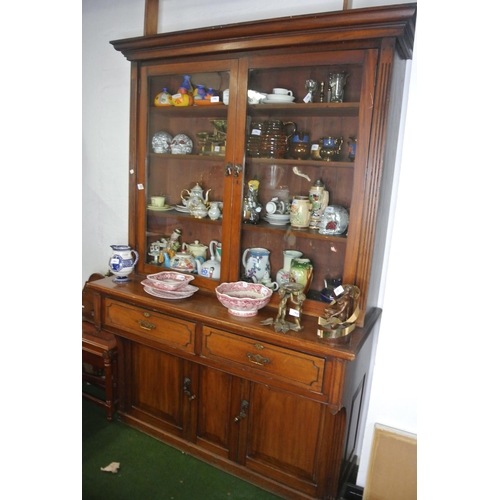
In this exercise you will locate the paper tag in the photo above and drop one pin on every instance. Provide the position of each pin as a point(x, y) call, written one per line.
point(307, 98)
point(140, 186)
point(216, 149)
point(294, 312)
point(214, 98)
point(338, 291)
point(314, 147)
point(256, 131)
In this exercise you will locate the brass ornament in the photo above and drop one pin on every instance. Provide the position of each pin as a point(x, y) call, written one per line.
point(340, 315)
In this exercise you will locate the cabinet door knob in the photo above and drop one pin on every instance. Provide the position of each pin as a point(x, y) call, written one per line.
point(244, 406)
point(229, 167)
point(237, 170)
point(187, 392)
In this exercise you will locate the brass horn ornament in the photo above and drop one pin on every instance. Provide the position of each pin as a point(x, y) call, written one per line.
point(341, 314)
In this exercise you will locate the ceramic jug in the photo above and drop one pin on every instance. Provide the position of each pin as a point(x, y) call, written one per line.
point(301, 271)
point(300, 212)
point(122, 262)
point(256, 263)
point(211, 267)
point(214, 211)
point(215, 250)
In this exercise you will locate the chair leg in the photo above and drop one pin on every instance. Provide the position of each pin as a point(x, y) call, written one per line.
point(110, 398)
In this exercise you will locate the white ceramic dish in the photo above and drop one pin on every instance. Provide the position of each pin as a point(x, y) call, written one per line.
point(278, 216)
point(277, 222)
point(273, 99)
point(160, 209)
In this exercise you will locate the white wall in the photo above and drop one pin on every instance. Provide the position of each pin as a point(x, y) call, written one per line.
point(105, 111)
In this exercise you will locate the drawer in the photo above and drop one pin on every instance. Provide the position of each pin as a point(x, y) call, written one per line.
point(273, 362)
point(174, 332)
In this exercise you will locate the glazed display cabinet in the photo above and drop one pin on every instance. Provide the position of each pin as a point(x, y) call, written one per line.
point(283, 410)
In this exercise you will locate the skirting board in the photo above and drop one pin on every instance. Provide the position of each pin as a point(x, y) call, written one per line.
point(392, 471)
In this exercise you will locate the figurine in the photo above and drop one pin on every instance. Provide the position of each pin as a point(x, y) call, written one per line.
point(295, 291)
point(251, 205)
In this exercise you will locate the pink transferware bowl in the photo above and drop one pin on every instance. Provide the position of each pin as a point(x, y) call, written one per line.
point(242, 298)
point(169, 280)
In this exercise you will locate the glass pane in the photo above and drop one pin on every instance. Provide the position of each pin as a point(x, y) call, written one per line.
point(186, 146)
point(300, 148)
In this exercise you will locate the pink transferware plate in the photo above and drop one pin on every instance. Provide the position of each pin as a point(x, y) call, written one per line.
point(186, 292)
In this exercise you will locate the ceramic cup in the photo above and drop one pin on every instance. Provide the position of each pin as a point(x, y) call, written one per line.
point(158, 201)
point(275, 206)
point(280, 91)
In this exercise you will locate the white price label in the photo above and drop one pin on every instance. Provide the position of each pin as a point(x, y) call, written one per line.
point(256, 131)
point(294, 312)
point(314, 147)
point(214, 98)
point(338, 291)
point(140, 186)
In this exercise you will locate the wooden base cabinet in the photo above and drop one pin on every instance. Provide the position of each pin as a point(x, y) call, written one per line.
point(279, 410)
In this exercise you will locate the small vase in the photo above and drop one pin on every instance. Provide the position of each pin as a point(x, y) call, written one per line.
point(283, 275)
point(301, 271)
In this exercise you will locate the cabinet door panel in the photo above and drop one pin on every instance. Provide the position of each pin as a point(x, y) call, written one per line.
point(283, 433)
point(157, 388)
point(214, 411)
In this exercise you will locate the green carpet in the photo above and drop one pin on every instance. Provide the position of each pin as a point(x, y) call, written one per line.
point(149, 469)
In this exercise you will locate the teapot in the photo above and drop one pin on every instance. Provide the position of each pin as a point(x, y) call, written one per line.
point(258, 264)
point(194, 197)
point(184, 261)
point(196, 249)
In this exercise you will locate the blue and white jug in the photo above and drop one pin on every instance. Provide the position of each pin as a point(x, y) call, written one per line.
point(122, 262)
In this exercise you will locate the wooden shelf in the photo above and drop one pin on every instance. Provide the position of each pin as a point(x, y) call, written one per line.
point(302, 109)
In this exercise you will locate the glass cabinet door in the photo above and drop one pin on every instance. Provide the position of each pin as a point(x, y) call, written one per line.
point(185, 142)
point(306, 146)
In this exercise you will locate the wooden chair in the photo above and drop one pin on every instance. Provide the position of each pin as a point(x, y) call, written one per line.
point(99, 355)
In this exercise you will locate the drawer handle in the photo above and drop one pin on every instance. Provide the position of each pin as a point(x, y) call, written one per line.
point(257, 359)
point(146, 326)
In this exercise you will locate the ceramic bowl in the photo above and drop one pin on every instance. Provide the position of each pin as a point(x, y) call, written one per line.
point(169, 280)
point(242, 298)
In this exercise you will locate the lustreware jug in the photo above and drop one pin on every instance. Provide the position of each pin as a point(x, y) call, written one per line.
point(274, 140)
